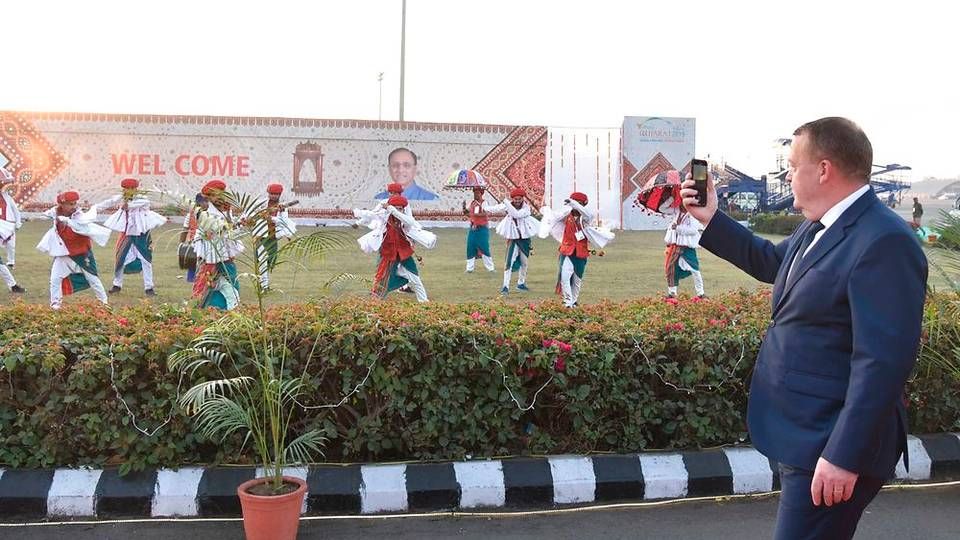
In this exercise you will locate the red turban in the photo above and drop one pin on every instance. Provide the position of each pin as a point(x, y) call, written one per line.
point(394, 187)
point(68, 196)
point(213, 185)
point(579, 197)
point(518, 192)
point(275, 189)
point(397, 201)
point(129, 183)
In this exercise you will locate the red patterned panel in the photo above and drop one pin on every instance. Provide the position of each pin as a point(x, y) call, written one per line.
point(33, 161)
point(528, 172)
point(627, 177)
point(517, 161)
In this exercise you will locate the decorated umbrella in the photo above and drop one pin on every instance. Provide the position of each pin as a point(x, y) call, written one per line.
point(465, 179)
point(661, 193)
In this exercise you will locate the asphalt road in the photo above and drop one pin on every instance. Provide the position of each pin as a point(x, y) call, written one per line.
point(905, 514)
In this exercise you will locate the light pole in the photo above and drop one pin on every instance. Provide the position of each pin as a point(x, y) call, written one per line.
point(403, 46)
point(380, 99)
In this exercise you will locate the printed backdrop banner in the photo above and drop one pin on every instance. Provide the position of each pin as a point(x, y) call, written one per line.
point(331, 166)
point(652, 145)
point(588, 161)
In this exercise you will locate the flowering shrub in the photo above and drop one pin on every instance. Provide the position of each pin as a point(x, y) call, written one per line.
point(436, 381)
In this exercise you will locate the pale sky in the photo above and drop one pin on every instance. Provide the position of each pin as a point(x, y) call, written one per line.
point(748, 71)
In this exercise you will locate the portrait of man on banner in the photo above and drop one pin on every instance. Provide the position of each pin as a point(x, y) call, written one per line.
point(402, 164)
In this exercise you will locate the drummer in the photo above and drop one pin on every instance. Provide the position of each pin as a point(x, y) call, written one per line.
point(187, 257)
point(216, 243)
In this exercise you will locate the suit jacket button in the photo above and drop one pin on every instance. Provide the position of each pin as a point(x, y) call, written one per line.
point(773, 322)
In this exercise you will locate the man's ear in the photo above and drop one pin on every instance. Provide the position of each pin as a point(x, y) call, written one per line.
point(826, 171)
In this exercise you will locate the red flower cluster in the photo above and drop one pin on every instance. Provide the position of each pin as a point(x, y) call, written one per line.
point(560, 364)
point(564, 347)
point(559, 361)
point(672, 327)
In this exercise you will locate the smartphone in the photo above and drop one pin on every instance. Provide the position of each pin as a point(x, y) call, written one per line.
point(699, 174)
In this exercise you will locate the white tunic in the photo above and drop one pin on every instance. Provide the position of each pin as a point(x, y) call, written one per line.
point(518, 223)
point(136, 220)
point(12, 222)
point(553, 224)
point(686, 233)
point(368, 218)
point(371, 242)
point(81, 223)
point(216, 239)
point(284, 226)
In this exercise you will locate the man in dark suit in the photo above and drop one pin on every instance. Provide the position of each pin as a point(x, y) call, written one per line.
point(826, 399)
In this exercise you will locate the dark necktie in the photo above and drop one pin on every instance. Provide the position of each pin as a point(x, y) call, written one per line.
point(808, 237)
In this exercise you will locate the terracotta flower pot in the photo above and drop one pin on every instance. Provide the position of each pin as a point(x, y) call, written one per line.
point(274, 517)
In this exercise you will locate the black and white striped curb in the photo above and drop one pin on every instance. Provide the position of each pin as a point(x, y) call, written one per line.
point(369, 489)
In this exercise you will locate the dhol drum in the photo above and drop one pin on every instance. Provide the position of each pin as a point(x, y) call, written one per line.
point(187, 257)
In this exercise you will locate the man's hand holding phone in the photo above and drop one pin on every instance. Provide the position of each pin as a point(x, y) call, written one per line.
point(688, 193)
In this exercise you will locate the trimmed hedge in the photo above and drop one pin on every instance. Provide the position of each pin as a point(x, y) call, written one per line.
point(611, 377)
point(738, 215)
point(783, 224)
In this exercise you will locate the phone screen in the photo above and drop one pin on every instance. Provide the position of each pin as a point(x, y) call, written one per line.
point(699, 174)
point(700, 171)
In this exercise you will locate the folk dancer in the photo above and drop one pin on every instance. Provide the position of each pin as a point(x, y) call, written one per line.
point(682, 239)
point(518, 227)
point(189, 234)
point(392, 236)
point(11, 213)
point(134, 251)
point(478, 236)
point(69, 243)
point(571, 227)
point(367, 217)
point(216, 245)
point(268, 233)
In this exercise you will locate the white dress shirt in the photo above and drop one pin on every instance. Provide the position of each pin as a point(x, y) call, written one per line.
point(833, 214)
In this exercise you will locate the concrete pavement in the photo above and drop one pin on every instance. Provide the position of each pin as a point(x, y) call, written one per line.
point(927, 513)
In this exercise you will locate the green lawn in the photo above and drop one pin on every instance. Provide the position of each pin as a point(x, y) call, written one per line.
point(632, 267)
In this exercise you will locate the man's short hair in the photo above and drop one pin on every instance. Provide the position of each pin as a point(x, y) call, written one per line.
point(401, 149)
point(843, 143)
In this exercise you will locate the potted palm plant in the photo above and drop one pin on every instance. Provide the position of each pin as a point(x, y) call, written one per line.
point(247, 384)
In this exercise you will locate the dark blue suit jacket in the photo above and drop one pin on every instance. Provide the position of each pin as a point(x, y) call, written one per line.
point(842, 339)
